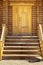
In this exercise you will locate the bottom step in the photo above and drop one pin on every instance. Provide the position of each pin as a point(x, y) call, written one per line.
point(20, 56)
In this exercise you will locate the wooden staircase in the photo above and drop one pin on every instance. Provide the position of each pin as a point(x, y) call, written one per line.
point(21, 47)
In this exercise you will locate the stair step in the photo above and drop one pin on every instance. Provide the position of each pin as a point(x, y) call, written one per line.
point(21, 55)
point(21, 47)
point(22, 44)
point(22, 40)
point(22, 37)
point(18, 55)
point(34, 53)
point(21, 51)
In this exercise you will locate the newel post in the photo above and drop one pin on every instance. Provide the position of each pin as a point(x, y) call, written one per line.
point(41, 45)
point(1, 50)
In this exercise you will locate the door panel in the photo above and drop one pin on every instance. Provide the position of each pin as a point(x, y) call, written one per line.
point(21, 20)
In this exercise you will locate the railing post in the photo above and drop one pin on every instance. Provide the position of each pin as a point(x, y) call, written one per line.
point(41, 45)
point(2, 40)
point(41, 39)
point(1, 50)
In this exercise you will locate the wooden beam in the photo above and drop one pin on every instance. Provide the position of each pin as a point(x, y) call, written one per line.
point(21, 4)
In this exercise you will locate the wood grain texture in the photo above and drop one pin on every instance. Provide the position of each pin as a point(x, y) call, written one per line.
point(22, 19)
point(41, 39)
point(1, 16)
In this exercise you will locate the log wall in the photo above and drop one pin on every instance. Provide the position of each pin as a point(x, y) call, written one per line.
point(1, 15)
point(37, 14)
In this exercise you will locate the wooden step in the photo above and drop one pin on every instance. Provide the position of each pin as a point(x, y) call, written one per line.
point(34, 53)
point(21, 47)
point(21, 51)
point(22, 40)
point(22, 37)
point(37, 43)
point(21, 44)
point(22, 55)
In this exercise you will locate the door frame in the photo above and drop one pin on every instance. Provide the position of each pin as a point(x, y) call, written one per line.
point(24, 4)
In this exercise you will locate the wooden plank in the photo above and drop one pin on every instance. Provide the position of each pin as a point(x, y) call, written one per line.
point(20, 47)
point(21, 51)
point(20, 55)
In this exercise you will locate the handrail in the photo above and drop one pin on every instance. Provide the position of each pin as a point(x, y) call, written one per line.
point(3, 32)
point(40, 33)
point(2, 40)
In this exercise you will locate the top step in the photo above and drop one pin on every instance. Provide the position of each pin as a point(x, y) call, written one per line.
point(23, 37)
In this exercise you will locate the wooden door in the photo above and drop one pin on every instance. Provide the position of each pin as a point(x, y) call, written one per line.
point(22, 24)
